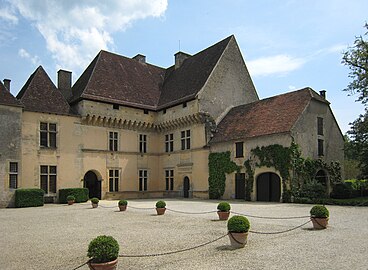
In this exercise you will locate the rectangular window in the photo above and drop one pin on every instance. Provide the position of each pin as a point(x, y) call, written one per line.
point(320, 148)
point(115, 106)
point(185, 139)
point(48, 178)
point(145, 111)
point(319, 125)
point(142, 180)
point(184, 105)
point(239, 149)
point(169, 142)
point(113, 140)
point(48, 135)
point(114, 180)
point(142, 143)
point(169, 177)
point(13, 175)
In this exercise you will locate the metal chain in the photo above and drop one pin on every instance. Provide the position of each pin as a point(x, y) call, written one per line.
point(142, 208)
point(288, 230)
point(241, 214)
point(190, 213)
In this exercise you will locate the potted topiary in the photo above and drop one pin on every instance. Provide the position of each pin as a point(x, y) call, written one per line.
point(223, 210)
point(238, 227)
point(160, 207)
point(319, 217)
point(123, 205)
point(94, 202)
point(70, 199)
point(104, 253)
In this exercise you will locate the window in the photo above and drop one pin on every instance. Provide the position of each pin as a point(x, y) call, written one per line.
point(320, 147)
point(184, 105)
point(48, 135)
point(319, 125)
point(163, 111)
point(169, 142)
point(169, 177)
point(114, 180)
point(142, 180)
point(13, 174)
point(145, 111)
point(115, 106)
point(142, 143)
point(239, 149)
point(48, 178)
point(185, 139)
point(113, 141)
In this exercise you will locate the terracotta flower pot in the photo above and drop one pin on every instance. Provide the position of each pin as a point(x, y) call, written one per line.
point(122, 207)
point(319, 223)
point(223, 215)
point(103, 266)
point(94, 205)
point(238, 240)
point(70, 202)
point(160, 211)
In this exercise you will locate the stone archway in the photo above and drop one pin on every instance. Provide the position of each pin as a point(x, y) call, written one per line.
point(92, 181)
point(268, 187)
point(321, 177)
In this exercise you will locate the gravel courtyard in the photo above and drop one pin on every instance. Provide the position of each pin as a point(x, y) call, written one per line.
point(57, 236)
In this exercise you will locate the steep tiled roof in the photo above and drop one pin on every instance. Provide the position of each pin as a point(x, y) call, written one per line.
point(118, 79)
point(39, 94)
point(6, 98)
point(272, 115)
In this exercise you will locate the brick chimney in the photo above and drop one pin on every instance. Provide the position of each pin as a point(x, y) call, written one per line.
point(180, 58)
point(64, 83)
point(322, 93)
point(140, 58)
point(7, 84)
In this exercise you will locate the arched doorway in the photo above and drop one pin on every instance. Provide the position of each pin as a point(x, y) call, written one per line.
point(321, 177)
point(186, 187)
point(93, 184)
point(268, 187)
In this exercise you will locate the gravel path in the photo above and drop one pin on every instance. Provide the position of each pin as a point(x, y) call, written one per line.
point(57, 237)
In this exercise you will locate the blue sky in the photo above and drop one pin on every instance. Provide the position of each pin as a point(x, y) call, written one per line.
point(287, 45)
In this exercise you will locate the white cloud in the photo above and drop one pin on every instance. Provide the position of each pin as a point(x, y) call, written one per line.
point(26, 55)
point(76, 30)
point(274, 65)
point(7, 14)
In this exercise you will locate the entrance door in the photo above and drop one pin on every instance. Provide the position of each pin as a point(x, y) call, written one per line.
point(186, 186)
point(94, 186)
point(268, 187)
point(240, 186)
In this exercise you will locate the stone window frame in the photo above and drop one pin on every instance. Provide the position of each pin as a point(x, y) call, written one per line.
point(48, 178)
point(142, 140)
point(320, 124)
point(114, 179)
point(169, 142)
point(113, 140)
point(320, 147)
point(185, 139)
point(48, 132)
point(143, 179)
point(14, 173)
point(239, 149)
point(169, 179)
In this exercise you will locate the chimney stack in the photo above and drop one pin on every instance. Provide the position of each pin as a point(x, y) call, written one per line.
point(322, 93)
point(7, 84)
point(180, 58)
point(140, 58)
point(64, 83)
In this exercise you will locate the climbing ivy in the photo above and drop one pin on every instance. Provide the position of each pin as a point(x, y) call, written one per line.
point(248, 164)
point(219, 165)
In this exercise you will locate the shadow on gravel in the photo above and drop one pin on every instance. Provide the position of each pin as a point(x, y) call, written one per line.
point(226, 247)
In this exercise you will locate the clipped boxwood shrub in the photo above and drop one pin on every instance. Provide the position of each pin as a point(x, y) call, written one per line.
point(223, 207)
point(80, 194)
point(319, 211)
point(95, 200)
point(123, 202)
point(29, 197)
point(238, 224)
point(103, 249)
point(160, 204)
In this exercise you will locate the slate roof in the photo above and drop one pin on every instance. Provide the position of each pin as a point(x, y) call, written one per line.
point(117, 79)
point(6, 98)
point(272, 115)
point(39, 94)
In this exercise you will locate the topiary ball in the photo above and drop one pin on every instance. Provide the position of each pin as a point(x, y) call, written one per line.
point(238, 224)
point(103, 249)
point(95, 200)
point(223, 207)
point(70, 198)
point(123, 202)
point(160, 204)
point(319, 211)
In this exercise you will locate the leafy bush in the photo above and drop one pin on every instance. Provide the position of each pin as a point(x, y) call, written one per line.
point(95, 200)
point(123, 202)
point(160, 204)
point(29, 197)
point(312, 190)
point(223, 207)
point(319, 211)
point(103, 249)
point(80, 194)
point(70, 198)
point(342, 191)
point(238, 224)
